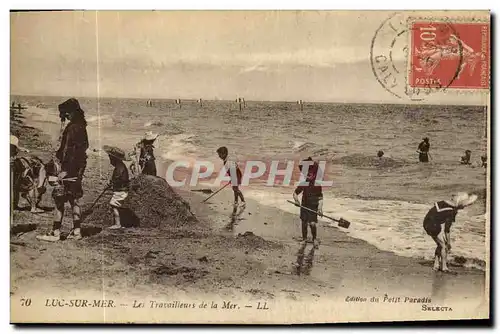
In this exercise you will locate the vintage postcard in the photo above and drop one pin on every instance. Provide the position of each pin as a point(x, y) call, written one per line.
point(249, 167)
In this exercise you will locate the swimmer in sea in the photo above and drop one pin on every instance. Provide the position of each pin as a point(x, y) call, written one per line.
point(484, 161)
point(423, 150)
point(444, 212)
point(465, 160)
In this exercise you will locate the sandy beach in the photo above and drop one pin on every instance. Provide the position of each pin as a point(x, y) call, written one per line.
point(254, 259)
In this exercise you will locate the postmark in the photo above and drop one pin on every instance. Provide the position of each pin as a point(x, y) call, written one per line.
point(389, 53)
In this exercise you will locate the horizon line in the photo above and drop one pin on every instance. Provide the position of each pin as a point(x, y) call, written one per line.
point(420, 103)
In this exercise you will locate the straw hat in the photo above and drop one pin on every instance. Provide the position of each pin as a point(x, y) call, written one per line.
point(462, 199)
point(70, 105)
point(150, 136)
point(15, 141)
point(115, 152)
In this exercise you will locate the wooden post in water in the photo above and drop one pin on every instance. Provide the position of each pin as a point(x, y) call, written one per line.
point(301, 104)
point(239, 102)
point(18, 108)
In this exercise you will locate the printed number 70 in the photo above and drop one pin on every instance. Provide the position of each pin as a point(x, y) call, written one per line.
point(25, 301)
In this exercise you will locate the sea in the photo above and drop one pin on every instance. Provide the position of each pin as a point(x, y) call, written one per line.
point(385, 199)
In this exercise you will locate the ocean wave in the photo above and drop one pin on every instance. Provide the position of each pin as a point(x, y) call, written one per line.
point(98, 118)
point(154, 123)
point(300, 146)
point(311, 148)
point(177, 147)
point(368, 161)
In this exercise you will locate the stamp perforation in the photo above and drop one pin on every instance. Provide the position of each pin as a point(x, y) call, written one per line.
point(448, 19)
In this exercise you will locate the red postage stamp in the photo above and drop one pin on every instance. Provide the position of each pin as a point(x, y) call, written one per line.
point(450, 55)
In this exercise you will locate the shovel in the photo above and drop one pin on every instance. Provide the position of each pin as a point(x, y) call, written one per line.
point(342, 222)
point(205, 191)
point(215, 193)
point(89, 210)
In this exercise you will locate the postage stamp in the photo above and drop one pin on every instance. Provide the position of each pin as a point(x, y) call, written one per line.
point(416, 58)
point(449, 55)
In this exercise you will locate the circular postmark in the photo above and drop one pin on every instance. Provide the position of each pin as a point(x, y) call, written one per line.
point(411, 60)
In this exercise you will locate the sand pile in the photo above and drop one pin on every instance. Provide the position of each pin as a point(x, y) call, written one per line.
point(251, 241)
point(151, 203)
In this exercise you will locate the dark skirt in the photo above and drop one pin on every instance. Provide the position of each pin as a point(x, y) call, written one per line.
point(73, 189)
point(423, 157)
point(432, 226)
point(306, 215)
point(432, 229)
point(149, 168)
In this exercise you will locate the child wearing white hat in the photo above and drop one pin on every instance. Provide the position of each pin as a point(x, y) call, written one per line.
point(146, 155)
point(15, 148)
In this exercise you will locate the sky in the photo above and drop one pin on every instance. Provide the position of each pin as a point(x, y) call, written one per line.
point(258, 55)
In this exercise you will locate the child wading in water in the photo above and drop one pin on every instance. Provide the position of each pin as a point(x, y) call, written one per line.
point(466, 159)
point(119, 182)
point(444, 212)
point(312, 199)
point(234, 172)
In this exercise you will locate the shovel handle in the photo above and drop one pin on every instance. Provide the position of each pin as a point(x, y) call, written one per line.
point(215, 193)
point(98, 198)
point(303, 207)
point(342, 221)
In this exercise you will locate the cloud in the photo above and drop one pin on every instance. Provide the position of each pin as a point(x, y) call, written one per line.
point(330, 56)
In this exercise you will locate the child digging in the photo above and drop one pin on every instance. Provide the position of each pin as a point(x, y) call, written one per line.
point(312, 199)
point(231, 169)
point(119, 182)
point(444, 213)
